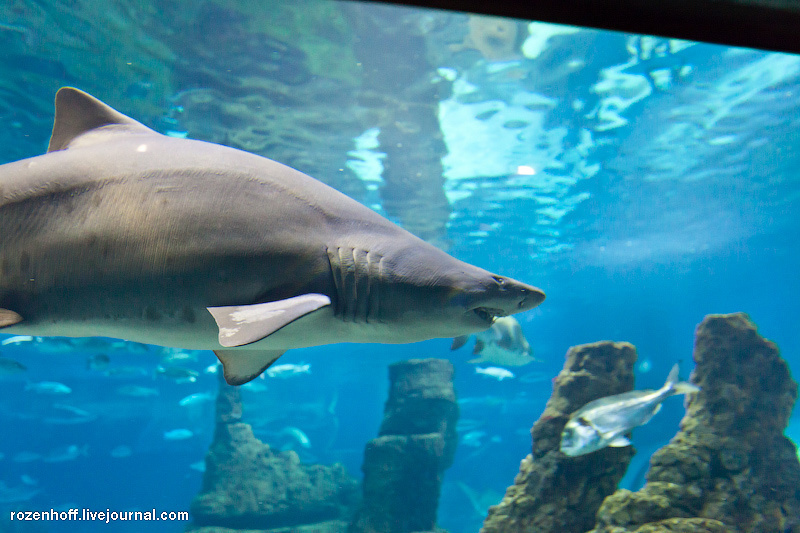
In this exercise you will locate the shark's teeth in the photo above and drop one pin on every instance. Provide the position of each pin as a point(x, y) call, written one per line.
point(488, 313)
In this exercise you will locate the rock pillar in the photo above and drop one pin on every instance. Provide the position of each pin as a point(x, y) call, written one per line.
point(403, 467)
point(729, 469)
point(554, 493)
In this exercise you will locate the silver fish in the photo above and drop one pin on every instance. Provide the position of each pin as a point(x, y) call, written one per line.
point(197, 398)
point(66, 453)
point(137, 391)
point(178, 434)
point(604, 422)
point(48, 387)
point(287, 370)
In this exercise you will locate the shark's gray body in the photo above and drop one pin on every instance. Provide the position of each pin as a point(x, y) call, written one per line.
point(119, 231)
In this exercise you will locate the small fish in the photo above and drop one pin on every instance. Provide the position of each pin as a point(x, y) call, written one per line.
point(28, 480)
point(254, 386)
point(604, 422)
point(10, 366)
point(178, 434)
point(495, 372)
point(288, 370)
point(178, 373)
point(473, 438)
point(536, 377)
point(481, 401)
point(178, 357)
point(297, 435)
point(66, 453)
point(197, 398)
point(17, 339)
point(26, 457)
point(644, 366)
point(126, 371)
point(73, 410)
point(98, 362)
point(131, 347)
point(18, 494)
point(211, 369)
point(121, 452)
point(48, 387)
point(467, 424)
point(68, 415)
point(200, 465)
point(502, 344)
point(137, 391)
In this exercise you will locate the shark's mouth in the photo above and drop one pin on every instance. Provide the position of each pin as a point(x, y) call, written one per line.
point(488, 314)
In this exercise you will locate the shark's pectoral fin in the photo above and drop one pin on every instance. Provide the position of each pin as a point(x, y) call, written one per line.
point(241, 366)
point(243, 324)
point(9, 318)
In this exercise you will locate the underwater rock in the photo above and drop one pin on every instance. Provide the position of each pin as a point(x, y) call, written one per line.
point(403, 467)
point(729, 468)
point(422, 400)
point(330, 526)
point(553, 492)
point(246, 485)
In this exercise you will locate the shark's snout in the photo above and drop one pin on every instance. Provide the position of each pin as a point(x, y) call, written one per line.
point(530, 297)
point(514, 296)
point(506, 296)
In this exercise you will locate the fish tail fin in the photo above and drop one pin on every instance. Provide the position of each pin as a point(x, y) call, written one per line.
point(672, 377)
point(684, 387)
point(679, 387)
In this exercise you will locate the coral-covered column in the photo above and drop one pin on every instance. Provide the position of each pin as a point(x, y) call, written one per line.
point(554, 493)
point(729, 468)
point(403, 467)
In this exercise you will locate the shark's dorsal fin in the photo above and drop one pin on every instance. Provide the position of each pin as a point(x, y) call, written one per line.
point(78, 113)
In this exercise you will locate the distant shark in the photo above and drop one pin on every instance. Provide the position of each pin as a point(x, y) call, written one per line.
point(121, 232)
point(502, 344)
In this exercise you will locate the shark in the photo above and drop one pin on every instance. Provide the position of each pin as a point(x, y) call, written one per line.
point(119, 231)
point(502, 344)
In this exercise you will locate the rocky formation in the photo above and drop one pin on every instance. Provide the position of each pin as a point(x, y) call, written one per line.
point(729, 468)
point(554, 493)
point(248, 486)
point(403, 467)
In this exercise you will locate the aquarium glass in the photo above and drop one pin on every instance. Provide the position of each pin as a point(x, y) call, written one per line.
point(641, 182)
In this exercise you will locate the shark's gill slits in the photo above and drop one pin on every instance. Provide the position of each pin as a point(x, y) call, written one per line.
point(356, 277)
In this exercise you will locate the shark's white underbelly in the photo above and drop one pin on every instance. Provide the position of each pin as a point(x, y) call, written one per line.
point(319, 328)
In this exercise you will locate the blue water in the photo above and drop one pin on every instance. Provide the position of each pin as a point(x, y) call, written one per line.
point(663, 188)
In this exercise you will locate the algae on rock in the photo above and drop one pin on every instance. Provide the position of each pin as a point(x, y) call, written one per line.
point(729, 468)
point(554, 493)
point(246, 485)
point(403, 467)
